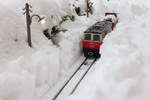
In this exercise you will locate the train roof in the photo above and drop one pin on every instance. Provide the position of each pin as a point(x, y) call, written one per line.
point(99, 27)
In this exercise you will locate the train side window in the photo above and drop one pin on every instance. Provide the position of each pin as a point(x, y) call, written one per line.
point(87, 37)
point(96, 38)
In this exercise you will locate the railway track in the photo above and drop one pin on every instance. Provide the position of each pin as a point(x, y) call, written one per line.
point(75, 79)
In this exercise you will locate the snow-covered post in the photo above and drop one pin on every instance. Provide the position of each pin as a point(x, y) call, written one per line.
point(87, 7)
point(28, 22)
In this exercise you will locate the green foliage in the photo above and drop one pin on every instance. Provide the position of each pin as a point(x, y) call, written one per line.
point(57, 28)
point(65, 18)
point(46, 33)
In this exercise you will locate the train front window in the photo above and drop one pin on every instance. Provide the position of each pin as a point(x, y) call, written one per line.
point(96, 38)
point(87, 37)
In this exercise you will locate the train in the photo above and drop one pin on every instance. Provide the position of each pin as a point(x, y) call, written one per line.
point(94, 35)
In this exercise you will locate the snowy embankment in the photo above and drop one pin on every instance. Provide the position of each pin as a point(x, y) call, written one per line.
point(27, 73)
point(123, 71)
point(121, 74)
point(24, 70)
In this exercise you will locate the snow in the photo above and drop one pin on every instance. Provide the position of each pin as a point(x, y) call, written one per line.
point(122, 72)
point(27, 73)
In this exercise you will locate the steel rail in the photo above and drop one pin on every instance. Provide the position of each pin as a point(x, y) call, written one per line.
point(74, 89)
point(62, 88)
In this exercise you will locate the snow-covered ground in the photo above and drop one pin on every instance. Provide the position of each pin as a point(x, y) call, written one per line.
point(123, 71)
point(28, 73)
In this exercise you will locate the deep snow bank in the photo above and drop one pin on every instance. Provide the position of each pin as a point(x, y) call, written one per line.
point(122, 72)
point(27, 73)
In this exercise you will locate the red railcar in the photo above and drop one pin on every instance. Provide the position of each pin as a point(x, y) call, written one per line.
point(93, 36)
point(113, 17)
point(91, 45)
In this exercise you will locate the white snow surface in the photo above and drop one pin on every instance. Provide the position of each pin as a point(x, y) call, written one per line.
point(122, 73)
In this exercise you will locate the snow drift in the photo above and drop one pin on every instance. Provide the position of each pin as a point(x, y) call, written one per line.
point(122, 72)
